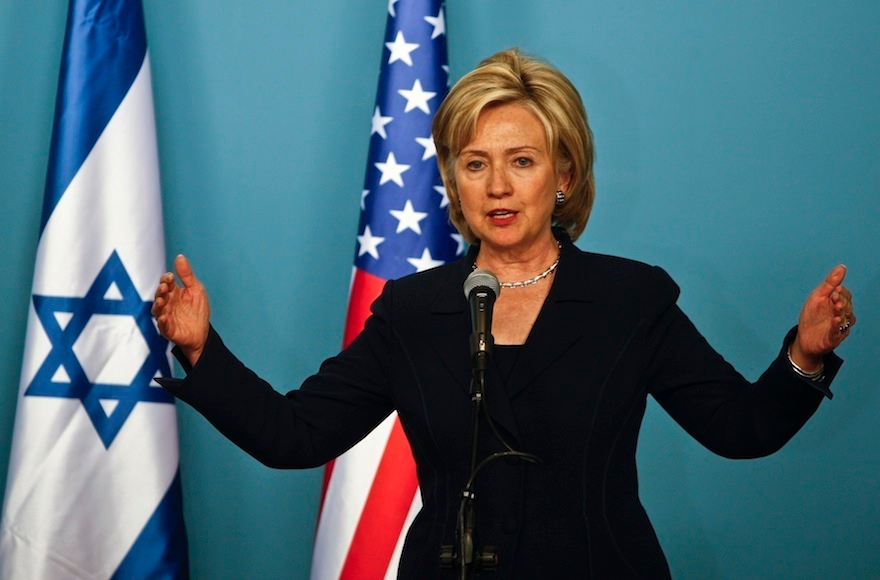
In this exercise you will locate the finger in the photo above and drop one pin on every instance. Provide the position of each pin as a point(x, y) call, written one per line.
point(184, 271)
point(844, 307)
point(830, 286)
point(841, 294)
point(163, 279)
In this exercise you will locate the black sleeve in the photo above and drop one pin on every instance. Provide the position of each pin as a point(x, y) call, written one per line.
point(333, 410)
point(728, 414)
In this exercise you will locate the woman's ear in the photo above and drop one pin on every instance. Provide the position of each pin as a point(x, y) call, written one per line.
point(564, 181)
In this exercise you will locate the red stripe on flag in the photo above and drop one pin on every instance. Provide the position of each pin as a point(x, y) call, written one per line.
point(364, 290)
point(385, 511)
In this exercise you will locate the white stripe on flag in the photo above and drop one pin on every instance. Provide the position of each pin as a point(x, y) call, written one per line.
point(344, 501)
point(395, 559)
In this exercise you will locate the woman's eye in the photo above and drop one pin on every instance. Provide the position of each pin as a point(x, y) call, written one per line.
point(523, 162)
point(475, 164)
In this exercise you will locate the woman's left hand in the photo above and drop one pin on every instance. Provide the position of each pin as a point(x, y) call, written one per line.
point(825, 321)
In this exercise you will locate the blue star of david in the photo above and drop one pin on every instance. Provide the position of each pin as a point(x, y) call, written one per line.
point(62, 354)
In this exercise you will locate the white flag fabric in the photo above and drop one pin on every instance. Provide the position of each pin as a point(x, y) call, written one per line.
point(371, 493)
point(93, 489)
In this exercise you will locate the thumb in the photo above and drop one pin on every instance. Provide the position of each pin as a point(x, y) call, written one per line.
point(832, 281)
point(184, 271)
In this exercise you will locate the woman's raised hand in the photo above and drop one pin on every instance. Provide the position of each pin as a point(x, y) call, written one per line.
point(182, 312)
point(825, 321)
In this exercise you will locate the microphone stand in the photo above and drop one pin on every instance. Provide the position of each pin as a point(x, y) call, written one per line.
point(469, 559)
point(484, 559)
point(481, 288)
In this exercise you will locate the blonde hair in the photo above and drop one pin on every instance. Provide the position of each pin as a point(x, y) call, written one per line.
point(512, 77)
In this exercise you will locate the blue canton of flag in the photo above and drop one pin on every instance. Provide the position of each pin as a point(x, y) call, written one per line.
point(94, 488)
point(404, 223)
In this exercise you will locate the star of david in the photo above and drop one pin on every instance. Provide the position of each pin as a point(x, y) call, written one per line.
point(110, 328)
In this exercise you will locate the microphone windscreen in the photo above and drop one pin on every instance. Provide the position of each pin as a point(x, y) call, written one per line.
point(484, 278)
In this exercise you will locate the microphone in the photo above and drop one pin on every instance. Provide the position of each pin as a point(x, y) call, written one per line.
point(481, 288)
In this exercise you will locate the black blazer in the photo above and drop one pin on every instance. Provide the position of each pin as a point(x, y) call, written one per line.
point(609, 334)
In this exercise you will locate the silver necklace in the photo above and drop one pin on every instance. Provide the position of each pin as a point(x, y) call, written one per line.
point(536, 279)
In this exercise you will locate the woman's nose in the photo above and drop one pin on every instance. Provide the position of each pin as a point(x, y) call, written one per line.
point(499, 183)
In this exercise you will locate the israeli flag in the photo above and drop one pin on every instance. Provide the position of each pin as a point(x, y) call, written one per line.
point(94, 488)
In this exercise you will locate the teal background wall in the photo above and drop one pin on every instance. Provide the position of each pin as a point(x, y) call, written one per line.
point(737, 147)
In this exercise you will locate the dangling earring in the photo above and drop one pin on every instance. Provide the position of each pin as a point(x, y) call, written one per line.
point(560, 197)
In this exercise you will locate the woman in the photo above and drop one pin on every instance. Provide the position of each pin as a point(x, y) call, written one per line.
point(581, 340)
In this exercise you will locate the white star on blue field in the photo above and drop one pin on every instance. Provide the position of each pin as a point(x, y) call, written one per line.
point(111, 302)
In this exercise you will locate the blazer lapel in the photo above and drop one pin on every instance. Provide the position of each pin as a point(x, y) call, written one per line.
point(452, 321)
point(560, 323)
point(451, 326)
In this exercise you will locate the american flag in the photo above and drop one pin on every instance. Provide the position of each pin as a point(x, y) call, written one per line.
point(371, 492)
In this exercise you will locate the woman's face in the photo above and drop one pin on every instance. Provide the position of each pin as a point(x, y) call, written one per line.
point(507, 180)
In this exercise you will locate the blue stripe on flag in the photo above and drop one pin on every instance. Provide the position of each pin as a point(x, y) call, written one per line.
point(104, 49)
point(161, 548)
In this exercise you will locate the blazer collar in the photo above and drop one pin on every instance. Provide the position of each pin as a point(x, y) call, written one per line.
point(559, 325)
point(572, 283)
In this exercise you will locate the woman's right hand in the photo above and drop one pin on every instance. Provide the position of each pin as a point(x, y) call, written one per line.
point(182, 312)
